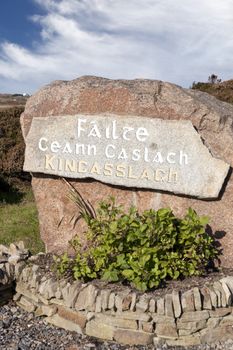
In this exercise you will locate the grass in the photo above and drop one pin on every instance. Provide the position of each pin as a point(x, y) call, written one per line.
point(18, 219)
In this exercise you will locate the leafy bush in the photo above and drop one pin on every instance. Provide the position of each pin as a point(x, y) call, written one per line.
point(11, 141)
point(143, 249)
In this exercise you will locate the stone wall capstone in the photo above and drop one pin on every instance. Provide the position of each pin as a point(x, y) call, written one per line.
point(94, 96)
point(115, 312)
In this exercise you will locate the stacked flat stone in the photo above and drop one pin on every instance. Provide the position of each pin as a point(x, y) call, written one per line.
point(196, 316)
point(11, 263)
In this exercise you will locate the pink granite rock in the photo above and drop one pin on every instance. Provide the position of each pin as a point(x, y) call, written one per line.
point(90, 95)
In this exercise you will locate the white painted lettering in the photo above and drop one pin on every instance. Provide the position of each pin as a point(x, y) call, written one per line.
point(55, 146)
point(80, 148)
point(146, 155)
point(67, 148)
point(123, 154)
point(107, 132)
point(114, 134)
point(170, 156)
point(80, 122)
point(136, 154)
point(141, 134)
point(94, 131)
point(91, 150)
point(183, 157)
point(41, 146)
point(126, 130)
point(107, 149)
point(158, 158)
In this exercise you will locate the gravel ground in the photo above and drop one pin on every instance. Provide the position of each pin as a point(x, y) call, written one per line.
point(20, 330)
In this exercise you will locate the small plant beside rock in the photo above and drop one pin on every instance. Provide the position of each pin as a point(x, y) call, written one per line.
point(142, 249)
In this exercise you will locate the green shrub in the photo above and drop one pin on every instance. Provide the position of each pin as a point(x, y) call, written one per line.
point(143, 249)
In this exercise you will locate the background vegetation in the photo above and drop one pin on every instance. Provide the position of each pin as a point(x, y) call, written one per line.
point(221, 90)
point(18, 218)
point(18, 214)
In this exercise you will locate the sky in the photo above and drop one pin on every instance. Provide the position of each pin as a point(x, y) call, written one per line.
point(179, 41)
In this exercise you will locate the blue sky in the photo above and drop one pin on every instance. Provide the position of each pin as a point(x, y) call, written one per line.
point(15, 24)
point(178, 41)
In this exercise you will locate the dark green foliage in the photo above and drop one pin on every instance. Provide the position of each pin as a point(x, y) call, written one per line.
point(213, 79)
point(143, 249)
point(11, 141)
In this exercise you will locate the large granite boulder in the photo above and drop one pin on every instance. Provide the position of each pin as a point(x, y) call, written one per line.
point(147, 98)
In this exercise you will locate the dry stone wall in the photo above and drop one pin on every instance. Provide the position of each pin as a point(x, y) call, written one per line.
point(12, 261)
point(115, 313)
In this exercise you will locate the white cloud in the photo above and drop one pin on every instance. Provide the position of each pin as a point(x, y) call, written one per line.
point(178, 41)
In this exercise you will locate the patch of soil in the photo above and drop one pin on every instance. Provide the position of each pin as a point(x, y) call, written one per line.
point(47, 267)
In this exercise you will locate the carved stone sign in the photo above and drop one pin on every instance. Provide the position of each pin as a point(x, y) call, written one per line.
point(129, 151)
